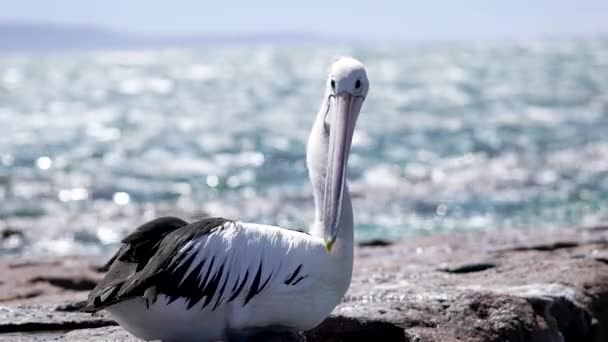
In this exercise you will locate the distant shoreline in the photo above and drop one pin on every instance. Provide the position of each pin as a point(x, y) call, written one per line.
point(24, 37)
point(16, 37)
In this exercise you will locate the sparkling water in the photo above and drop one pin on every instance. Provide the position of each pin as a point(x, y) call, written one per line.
point(471, 136)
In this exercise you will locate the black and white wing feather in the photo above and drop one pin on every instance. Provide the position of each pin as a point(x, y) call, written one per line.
point(142, 264)
point(209, 263)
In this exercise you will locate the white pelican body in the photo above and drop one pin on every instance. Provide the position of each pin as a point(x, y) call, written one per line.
point(323, 280)
point(218, 279)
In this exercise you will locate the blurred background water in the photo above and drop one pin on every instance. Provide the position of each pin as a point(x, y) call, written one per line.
point(453, 136)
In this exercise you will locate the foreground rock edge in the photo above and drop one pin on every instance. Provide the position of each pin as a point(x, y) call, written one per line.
point(511, 285)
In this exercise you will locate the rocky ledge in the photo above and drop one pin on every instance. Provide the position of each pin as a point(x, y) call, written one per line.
point(512, 285)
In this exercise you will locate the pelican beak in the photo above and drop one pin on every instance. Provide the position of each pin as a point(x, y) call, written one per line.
point(344, 109)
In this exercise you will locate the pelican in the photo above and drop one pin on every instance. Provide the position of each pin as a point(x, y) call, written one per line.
point(224, 280)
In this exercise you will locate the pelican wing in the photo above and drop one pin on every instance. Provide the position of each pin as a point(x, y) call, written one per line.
point(143, 239)
point(213, 261)
point(145, 257)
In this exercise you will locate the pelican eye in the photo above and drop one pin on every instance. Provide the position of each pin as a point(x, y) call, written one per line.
point(333, 85)
point(358, 84)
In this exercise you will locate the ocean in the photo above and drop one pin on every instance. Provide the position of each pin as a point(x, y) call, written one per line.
point(453, 136)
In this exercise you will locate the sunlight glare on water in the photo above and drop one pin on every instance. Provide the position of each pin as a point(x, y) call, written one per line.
point(455, 136)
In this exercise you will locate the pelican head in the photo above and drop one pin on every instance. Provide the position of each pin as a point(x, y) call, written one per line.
point(347, 87)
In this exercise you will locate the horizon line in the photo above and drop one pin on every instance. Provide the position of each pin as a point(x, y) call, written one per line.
point(112, 37)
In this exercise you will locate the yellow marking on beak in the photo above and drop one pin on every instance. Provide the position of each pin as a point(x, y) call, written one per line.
point(329, 245)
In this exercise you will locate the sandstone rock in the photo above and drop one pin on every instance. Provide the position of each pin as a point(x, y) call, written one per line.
point(106, 334)
point(26, 281)
point(40, 317)
point(545, 285)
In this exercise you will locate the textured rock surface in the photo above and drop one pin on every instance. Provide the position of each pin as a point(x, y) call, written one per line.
point(546, 285)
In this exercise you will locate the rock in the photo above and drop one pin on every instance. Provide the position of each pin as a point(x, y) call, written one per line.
point(499, 290)
point(468, 268)
point(68, 283)
point(39, 317)
point(11, 240)
point(106, 334)
point(27, 281)
point(343, 328)
point(515, 285)
point(375, 243)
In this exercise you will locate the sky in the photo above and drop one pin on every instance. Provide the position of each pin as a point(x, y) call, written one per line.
point(398, 19)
